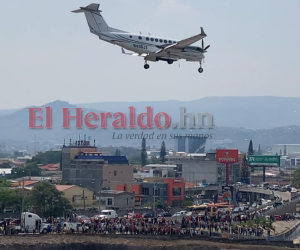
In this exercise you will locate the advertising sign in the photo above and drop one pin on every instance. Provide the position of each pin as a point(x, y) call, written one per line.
point(227, 156)
point(227, 192)
point(264, 160)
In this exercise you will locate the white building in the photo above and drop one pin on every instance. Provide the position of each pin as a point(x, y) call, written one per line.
point(289, 148)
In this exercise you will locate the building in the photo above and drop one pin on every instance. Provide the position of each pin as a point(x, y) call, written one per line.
point(78, 196)
point(168, 191)
point(116, 173)
point(195, 168)
point(84, 166)
point(117, 199)
point(189, 144)
point(285, 149)
point(161, 170)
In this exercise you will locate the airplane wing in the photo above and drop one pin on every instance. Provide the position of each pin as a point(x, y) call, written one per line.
point(184, 43)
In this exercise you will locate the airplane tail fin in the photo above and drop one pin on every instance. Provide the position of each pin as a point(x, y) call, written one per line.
point(95, 20)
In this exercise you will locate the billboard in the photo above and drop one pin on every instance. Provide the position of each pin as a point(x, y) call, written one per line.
point(263, 160)
point(227, 156)
point(227, 192)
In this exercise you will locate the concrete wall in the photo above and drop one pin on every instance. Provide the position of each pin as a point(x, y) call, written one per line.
point(117, 173)
point(198, 170)
point(75, 196)
point(121, 201)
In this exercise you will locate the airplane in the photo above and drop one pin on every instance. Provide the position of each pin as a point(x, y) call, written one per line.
point(151, 48)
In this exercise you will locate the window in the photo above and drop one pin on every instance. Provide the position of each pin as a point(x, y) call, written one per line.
point(140, 37)
point(165, 41)
point(170, 41)
point(115, 173)
point(130, 36)
point(174, 42)
point(145, 191)
point(156, 40)
point(29, 216)
point(161, 40)
point(109, 201)
point(176, 191)
point(147, 38)
point(152, 39)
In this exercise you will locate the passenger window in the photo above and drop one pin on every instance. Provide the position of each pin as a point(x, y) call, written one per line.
point(161, 40)
point(156, 40)
point(130, 36)
point(170, 41)
point(140, 37)
point(147, 38)
point(152, 39)
point(165, 41)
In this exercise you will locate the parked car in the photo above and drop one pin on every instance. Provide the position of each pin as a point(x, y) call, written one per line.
point(164, 214)
point(146, 216)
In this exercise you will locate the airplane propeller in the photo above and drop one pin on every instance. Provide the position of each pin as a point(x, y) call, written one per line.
point(204, 49)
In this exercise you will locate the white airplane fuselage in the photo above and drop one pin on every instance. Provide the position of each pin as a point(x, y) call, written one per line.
point(142, 44)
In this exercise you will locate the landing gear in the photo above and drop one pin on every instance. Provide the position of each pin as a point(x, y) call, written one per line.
point(170, 61)
point(200, 70)
point(146, 66)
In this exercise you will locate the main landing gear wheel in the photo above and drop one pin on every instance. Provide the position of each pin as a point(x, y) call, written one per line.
point(146, 66)
point(200, 70)
point(170, 61)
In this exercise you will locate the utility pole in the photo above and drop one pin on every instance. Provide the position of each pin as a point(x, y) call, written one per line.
point(154, 207)
point(83, 199)
point(100, 184)
point(22, 196)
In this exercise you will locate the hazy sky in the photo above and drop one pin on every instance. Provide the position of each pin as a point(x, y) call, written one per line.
point(47, 52)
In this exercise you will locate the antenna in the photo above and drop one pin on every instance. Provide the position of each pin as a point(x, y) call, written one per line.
point(35, 144)
point(149, 34)
point(141, 33)
point(94, 143)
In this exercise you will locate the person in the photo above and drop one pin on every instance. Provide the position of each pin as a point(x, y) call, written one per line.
point(27, 229)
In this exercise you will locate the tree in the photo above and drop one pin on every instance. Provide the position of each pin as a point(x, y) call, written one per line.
point(4, 183)
point(245, 169)
point(46, 201)
point(144, 153)
point(29, 169)
point(118, 152)
point(5, 165)
point(163, 152)
point(259, 150)
point(296, 177)
point(135, 160)
point(154, 160)
point(250, 149)
point(49, 157)
point(9, 197)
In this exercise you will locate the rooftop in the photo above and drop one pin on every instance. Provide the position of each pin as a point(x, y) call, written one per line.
point(62, 188)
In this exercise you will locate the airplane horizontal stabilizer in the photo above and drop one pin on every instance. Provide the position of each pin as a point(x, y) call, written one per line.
point(91, 7)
